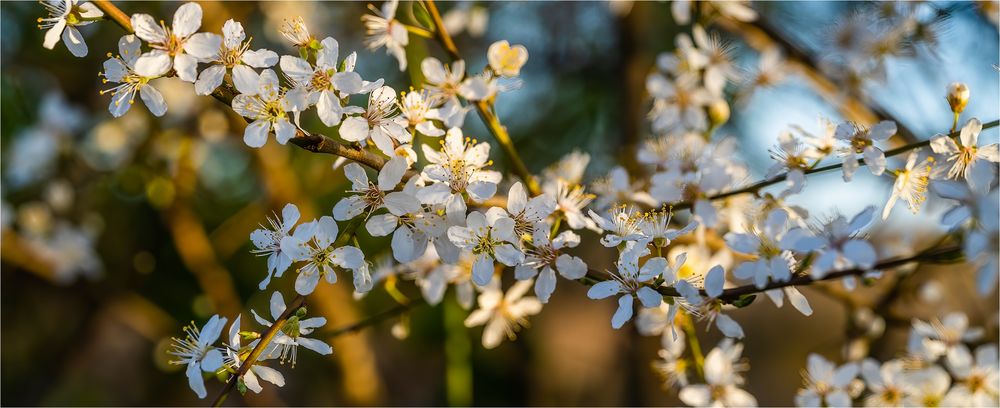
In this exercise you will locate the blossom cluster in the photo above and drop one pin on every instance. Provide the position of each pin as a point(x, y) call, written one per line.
point(436, 199)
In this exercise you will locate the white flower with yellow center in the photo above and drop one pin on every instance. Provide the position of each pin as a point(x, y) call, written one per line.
point(285, 345)
point(236, 354)
point(862, 140)
point(976, 164)
point(132, 78)
point(179, 41)
point(623, 225)
point(268, 109)
point(267, 241)
point(546, 255)
point(487, 237)
point(630, 281)
point(64, 17)
point(911, 184)
point(506, 60)
point(312, 242)
point(722, 380)
point(234, 55)
point(380, 123)
point(417, 108)
point(322, 85)
point(456, 169)
point(196, 350)
point(382, 29)
point(443, 81)
point(503, 314)
point(766, 244)
point(369, 196)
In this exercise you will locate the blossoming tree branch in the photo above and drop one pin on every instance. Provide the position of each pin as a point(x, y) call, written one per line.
point(692, 236)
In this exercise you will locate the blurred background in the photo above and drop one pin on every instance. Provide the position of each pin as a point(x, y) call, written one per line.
point(117, 232)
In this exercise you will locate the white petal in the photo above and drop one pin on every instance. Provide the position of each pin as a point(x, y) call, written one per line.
point(209, 79)
point(246, 80)
point(649, 297)
point(74, 42)
point(186, 67)
point(571, 267)
point(482, 270)
point(153, 100)
point(187, 20)
point(256, 133)
point(204, 46)
point(604, 289)
point(624, 312)
point(315, 345)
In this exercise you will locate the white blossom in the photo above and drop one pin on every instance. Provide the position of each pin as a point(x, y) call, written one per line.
point(382, 29)
point(234, 55)
point(862, 140)
point(179, 42)
point(380, 123)
point(722, 380)
point(236, 355)
point(196, 350)
point(456, 169)
point(292, 333)
point(322, 85)
point(503, 313)
point(769, 249)
point(64, 18)
point(313, 242)
point(268, 242)
point(268, 109)
point(826, 385)
point(630, 280)
point(970, 161)
point(977, 377)
point(506, 60)
point(838, 242)
point(911, 184)
point(133, 78)
point(369, 196)
point(546, 255)
point(488, 237)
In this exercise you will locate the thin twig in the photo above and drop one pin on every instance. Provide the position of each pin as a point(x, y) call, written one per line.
point(755, 187)
point(265, 340)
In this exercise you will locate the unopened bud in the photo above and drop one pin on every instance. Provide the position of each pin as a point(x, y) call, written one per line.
point(718, 113)
point(958, 96)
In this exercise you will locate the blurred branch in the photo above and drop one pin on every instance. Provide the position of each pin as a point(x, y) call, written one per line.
point(761, 35)
point(19, 251)
point(371, 320)
point(193, 244)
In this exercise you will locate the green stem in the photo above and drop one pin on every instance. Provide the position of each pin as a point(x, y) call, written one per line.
point(694, 345)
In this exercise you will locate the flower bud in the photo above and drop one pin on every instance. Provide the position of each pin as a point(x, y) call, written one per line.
point(718, 112)
point(958, 96)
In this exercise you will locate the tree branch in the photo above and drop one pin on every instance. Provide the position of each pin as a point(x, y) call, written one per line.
point(755, 187)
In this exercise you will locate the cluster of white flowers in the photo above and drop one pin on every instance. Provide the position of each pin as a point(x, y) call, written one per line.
point(448, 227)
point(198, 349)
point(940, 369)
